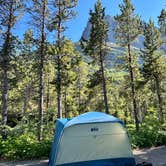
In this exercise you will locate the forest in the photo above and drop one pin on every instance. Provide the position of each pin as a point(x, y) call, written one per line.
point(43, 78)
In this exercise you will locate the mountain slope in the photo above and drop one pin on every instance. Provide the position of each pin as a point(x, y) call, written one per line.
point(113, 58)
point(111, 34)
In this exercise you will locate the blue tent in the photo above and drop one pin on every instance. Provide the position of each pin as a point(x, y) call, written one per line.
point(91, 139)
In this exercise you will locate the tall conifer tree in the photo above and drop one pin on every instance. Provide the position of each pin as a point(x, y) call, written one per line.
point(9, 12)
point(26, 63)
point(39, 12)
point(162, 22)
point(127, 31)
point(96, 45)
point(62, 12)
point(153, 61)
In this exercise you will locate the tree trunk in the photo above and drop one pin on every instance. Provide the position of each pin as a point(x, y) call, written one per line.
point(41, 90)
point(125, 115)
point(58, 87)
point(26, 99)
point(104, 84)
point(4, 100)
point(79, 91)
point(65, 102)
point(41, 75)
point(160, 112)
point(48, 93)
point(79, 98)
point(5, 68)
point(133, 89)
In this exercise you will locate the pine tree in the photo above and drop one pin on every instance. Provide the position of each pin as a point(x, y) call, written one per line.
point(69, 63)
point(80, 86)
point(62, 12)
point(153, 61)
point(162, 22)
point(39, 12)
point(127, 31)
point(96, 45)
point(162, 25)
point(25, 65)
point(9, 10)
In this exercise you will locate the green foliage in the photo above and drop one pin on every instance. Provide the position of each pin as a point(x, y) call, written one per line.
point(63, 12)
point(96, 48)
point(5, 129)
point(5, 9)
point(153, 61)
point(129, 24)
point(151, 133)
point(80, 76)
point(127, 31)
point(98, 34)
point(25, 146)
point(162, 22)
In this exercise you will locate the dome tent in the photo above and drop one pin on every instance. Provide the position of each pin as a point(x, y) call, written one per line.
point(91, 139)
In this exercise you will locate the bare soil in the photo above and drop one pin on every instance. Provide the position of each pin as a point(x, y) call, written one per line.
point(25, 163)
point(154, 155)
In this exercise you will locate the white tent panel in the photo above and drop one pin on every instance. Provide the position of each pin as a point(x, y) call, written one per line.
point(93, 142)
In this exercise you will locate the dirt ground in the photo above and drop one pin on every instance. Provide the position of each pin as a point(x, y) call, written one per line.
point(25, 163)
point(155, 155)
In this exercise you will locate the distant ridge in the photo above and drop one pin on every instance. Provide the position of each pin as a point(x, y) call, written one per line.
point(112, 58)
point(111, 34)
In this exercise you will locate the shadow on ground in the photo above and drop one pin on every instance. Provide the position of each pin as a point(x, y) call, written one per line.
point(154, 155)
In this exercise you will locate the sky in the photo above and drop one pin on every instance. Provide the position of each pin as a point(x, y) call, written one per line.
point(144, 8)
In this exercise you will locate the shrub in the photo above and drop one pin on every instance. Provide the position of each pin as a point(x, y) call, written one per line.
point(149, 135)
point(25, 146)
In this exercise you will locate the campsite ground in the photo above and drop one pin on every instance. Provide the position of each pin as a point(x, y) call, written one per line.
point(155, 155)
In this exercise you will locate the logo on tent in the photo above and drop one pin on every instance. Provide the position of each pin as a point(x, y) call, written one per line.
point(94, 129)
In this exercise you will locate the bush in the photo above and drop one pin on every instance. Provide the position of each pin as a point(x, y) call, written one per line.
point(25, 146)
point(150, 134)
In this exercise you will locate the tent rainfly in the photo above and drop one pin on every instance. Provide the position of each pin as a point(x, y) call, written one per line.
point(91, 139)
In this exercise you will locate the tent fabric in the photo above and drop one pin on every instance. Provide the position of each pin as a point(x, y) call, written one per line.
point(105, 162)
point(84, 144)
point(92, 117)
point(92, 138)
point(60, 123)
